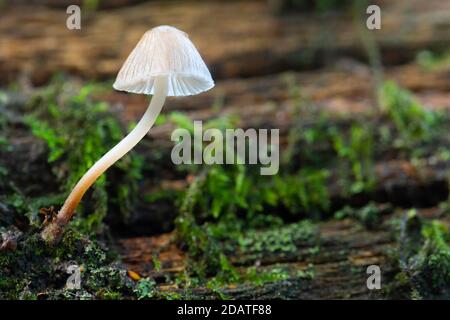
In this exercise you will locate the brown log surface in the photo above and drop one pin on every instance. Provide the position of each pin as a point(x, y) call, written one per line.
point(236, 38)
point(346, 249)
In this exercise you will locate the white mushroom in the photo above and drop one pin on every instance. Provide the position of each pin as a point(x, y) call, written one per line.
point(164, 63)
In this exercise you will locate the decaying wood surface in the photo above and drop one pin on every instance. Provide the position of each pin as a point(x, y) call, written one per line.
point(267, 102)
point(345, 251)
point(236, 38)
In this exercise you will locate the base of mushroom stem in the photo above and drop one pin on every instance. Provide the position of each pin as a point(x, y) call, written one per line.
point(52, 233)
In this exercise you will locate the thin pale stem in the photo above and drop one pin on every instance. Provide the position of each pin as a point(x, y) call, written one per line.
point(54, 230)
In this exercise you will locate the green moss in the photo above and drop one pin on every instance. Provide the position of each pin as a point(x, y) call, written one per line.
point(28, 207)
point(204, 249)
point(250, 276)
point(355, 151)
point(258, 277)
point(229, 190)
point(413, 123)
point(369, 216)
point(69, 123)
point(35, 269)
point(437, 251)
point(91, 5)
point(207, 244)
point(308, 274)
point(4, 143)
point(208, 241)
point(146, 289)
point(433, 60)
point(279, 240)
point(222, 204)
point(156, 262)
point(424, 259)
point(225, 190)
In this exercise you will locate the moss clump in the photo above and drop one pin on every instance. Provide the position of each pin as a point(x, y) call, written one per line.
point(369, 216)
point(433, 60)
point(225, 190)
point(78, 131)
point(35, 270)
point(32, 270)
point(259, 277)
point(286, 239)
point(355, 150)
point(222, 203)
point(211, 244)
point(413, 123)
point(424, 259)
point(304, 192)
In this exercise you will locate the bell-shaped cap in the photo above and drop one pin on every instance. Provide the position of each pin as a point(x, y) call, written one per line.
point(164, 51)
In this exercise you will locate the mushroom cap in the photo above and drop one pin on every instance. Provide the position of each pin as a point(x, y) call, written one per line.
point(164, 51)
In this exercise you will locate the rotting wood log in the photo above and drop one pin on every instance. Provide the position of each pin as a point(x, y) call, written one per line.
point(266, 101)
point(399, 182)
point(345, 251)
point(236, 38)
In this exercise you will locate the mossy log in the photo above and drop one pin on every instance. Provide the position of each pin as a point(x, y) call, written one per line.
point(236, 38)
point(269, 101)
point(339, 257)
point(398, 181)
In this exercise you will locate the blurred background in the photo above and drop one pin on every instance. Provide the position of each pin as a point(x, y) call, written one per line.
point(363, 117)
point(251, 42)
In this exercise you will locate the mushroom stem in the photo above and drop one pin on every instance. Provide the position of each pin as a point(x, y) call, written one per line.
point(52, 233)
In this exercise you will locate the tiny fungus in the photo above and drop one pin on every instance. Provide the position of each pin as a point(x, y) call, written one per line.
point(163, 63)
